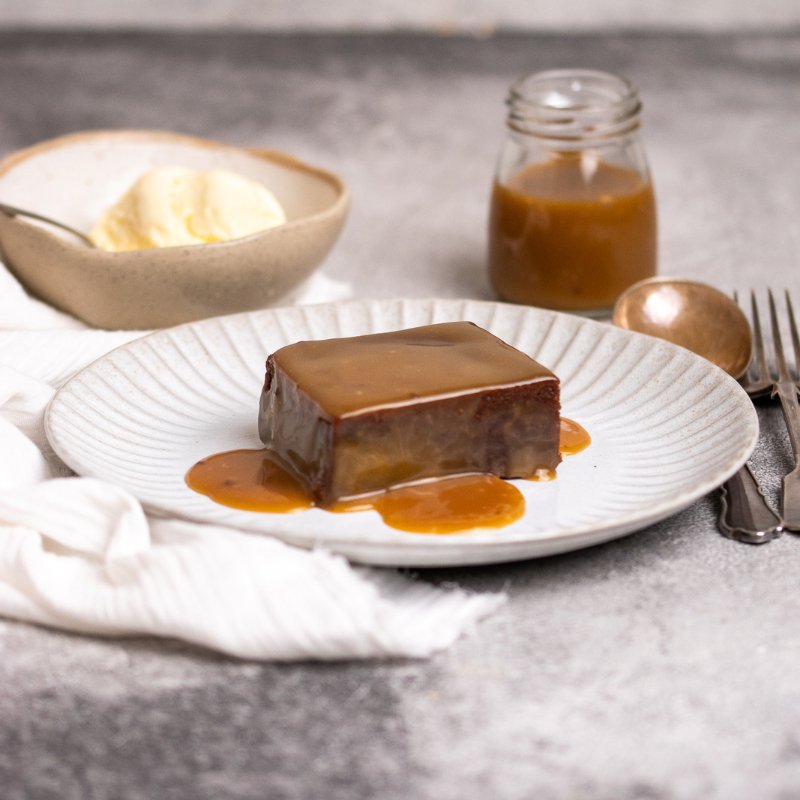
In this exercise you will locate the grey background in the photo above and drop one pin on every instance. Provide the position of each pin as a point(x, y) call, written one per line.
point(444, 16)
point(661, 666)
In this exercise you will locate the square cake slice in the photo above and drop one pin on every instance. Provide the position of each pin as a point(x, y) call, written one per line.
point(358, 415)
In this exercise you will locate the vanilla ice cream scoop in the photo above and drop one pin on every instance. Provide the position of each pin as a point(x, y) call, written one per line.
point(173, 206)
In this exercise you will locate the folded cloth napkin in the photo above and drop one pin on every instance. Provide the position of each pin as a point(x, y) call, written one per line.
point(81, 554)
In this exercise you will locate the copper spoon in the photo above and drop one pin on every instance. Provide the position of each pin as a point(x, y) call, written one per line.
point(13, 211)
point(709, 323)
point(694, 315)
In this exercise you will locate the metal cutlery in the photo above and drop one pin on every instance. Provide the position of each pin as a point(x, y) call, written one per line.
point(13, 211)
point(745, 514)
point(785, 389)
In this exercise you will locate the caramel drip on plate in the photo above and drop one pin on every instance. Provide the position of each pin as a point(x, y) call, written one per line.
point(573, 437)
point(252, 480)
point(446, 505)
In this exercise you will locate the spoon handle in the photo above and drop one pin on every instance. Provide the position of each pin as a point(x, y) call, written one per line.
point(13, 211)
point(745, 515)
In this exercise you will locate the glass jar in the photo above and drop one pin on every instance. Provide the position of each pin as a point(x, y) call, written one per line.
point(573, 219)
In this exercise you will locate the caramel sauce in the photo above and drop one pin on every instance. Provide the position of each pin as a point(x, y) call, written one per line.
point(253, 480)
point(571, 233)
point(384, 370)
point(446, 505)
point(573, 437)
point(248, 479)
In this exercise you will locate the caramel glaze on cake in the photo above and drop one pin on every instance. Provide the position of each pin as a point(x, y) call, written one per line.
point(358, 415)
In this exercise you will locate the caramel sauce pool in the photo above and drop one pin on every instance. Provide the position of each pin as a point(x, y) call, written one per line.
point(250, 480)
point(253, 481)
point(573, 437)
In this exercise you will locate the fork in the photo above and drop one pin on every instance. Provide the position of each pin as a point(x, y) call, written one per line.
point(745, 514)
point(785, 388)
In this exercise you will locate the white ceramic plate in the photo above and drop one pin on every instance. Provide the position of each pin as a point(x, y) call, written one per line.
point(667, 426)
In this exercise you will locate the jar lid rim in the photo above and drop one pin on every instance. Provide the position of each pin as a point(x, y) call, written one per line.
point(618, 89)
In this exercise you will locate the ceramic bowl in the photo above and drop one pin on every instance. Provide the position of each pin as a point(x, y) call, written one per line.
point(74, 178)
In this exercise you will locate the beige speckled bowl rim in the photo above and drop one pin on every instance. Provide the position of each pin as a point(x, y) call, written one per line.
point(276, 156)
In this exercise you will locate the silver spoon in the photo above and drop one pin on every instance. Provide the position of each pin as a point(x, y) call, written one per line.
point(13, 211)
point(707, 322)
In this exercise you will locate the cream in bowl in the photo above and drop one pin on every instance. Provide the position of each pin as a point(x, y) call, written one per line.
point(212, 229)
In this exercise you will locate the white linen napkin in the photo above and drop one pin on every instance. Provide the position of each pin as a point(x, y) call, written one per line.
point(80, 553)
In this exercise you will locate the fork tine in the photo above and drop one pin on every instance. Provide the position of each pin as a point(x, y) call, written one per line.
point(793, 330)
point(780, 360)
point(758, 341)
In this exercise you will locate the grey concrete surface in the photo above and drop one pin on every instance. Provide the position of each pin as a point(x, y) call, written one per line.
point(663, 666)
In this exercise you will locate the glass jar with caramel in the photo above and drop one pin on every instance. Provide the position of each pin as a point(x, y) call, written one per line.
point(573, 219)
